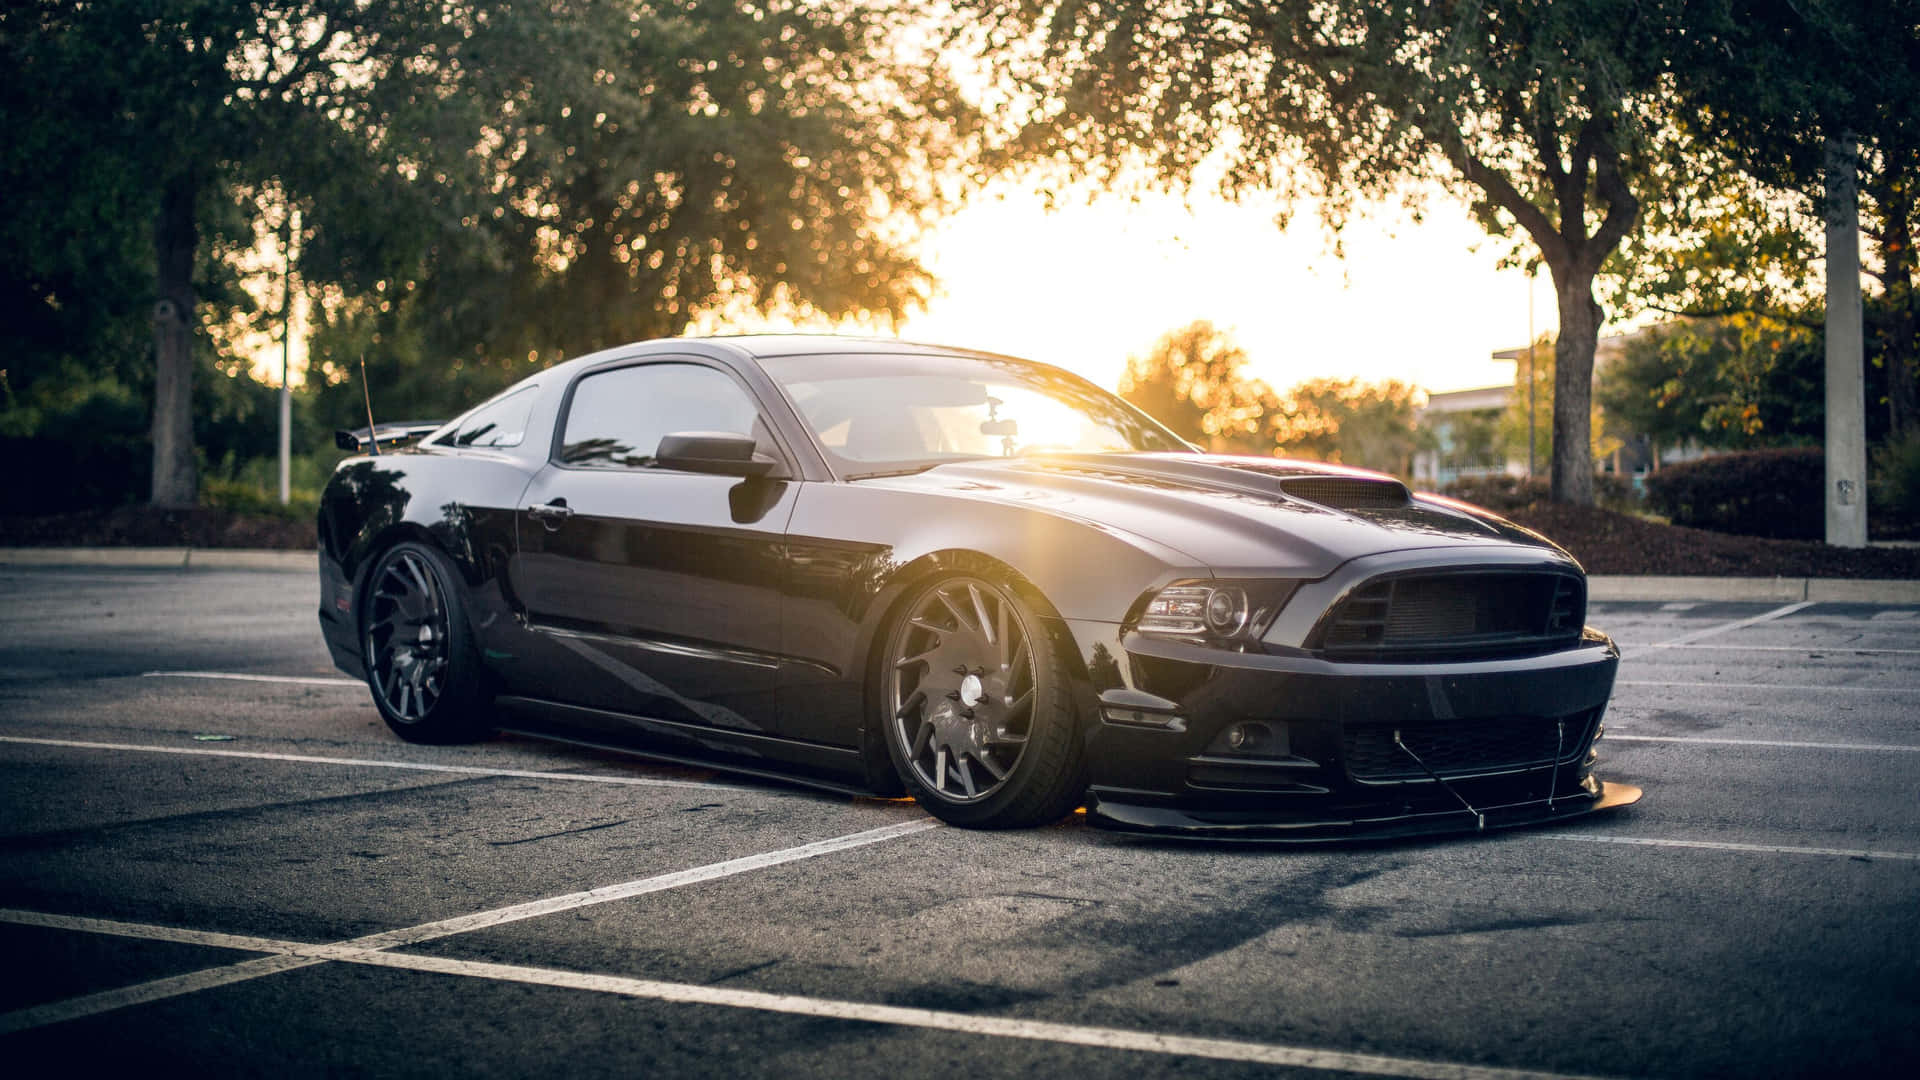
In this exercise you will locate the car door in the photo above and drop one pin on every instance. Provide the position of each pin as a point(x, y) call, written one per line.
point(658, 590)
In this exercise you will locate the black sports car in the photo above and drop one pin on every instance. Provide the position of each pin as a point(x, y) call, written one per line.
point(879, 567)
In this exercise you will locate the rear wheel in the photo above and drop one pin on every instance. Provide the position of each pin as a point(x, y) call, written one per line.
point(421, 661)
point(980, 718)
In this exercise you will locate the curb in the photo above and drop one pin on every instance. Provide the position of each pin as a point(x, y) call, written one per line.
point(172, 558)
point(1609, 587)
point(1601, 587)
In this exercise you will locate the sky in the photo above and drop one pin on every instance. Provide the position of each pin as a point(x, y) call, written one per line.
point(1086, 285)
point(1089, 283)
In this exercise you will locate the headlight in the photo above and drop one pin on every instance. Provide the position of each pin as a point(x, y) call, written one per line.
point(1220, 611)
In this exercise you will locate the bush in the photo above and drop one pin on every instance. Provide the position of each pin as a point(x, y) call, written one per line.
point(1895, 505)
point(1772, 493)
point(1504, 493)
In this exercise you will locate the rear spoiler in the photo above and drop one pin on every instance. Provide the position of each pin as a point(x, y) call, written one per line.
point(388, 436)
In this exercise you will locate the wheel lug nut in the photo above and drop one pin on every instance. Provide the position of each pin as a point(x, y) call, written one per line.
point(960, 670)
point(953, 695)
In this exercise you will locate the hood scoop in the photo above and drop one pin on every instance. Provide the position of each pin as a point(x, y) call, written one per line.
point(1348, 492)
point(1332, 486)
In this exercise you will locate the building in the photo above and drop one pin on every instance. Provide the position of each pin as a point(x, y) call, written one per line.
point(1465, 425)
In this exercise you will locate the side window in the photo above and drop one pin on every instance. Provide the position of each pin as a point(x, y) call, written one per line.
point(498, 423)
point(617, 417)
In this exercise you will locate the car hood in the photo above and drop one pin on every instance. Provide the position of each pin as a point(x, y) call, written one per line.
point(1235, 515)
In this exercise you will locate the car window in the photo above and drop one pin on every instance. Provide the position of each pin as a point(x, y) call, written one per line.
point(617, 417)
point(498, 423)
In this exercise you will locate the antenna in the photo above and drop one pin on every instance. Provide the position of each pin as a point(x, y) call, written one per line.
point(373, 437)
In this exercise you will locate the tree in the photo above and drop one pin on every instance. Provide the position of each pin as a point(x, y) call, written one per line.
point(1547, 117)
point(1371, 425)
point(1545, 429)
point(1739, 382)
point(1191, 382)
point(1854, 77)
point(147, 111)
point(699, 156)
point(489, 178)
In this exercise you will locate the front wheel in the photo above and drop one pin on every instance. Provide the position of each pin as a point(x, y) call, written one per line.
point(421, 661)
point(980, 718)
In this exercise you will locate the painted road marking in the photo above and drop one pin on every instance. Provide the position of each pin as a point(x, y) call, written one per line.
point(371, 763)
point(1717, 845)
point(1681, 606)
point(298, 955)
point(292, 954)
point(1613, 736)
point(1837, 650)
point(298, 680)
point(1776, 613)
point(1773, 686)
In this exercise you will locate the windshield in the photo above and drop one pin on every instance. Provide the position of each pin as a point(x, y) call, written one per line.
point(879, 414)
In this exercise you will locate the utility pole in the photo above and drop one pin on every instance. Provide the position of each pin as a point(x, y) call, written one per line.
point(286, 357)
point(1846, 496)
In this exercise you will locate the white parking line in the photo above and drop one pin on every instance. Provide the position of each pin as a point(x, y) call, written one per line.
point(293, 954)
point(1717, 845)
point(1710, 631)
point(1624, 736)
point(1771, 686)
point(1838, 650)
point(298, 680)
point(298, 955)
point(372, 763)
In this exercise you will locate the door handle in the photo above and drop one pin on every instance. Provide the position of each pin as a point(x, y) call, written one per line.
point(551, 513)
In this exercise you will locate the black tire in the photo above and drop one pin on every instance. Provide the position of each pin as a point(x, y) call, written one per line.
point(971, 681)
point(423, 666)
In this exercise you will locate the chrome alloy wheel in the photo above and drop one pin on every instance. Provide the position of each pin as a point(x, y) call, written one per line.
point(961, 688)
point(406, 636)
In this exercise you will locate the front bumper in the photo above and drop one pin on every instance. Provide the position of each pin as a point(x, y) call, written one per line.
point(1354, 750)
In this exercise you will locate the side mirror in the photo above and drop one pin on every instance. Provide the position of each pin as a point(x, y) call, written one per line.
point(719, 452)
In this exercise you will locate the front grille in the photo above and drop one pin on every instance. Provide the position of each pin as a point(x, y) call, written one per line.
point(1455, 615)
point(1461, 747)
point(1347, 492)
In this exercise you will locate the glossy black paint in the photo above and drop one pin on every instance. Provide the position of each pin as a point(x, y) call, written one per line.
point(737, 620)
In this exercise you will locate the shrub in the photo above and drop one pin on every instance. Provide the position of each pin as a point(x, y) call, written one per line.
point(1895, 505)
point(1772, 493)
point(1504, 493)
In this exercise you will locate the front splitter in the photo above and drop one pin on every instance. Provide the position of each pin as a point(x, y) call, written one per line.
point(1264, 826)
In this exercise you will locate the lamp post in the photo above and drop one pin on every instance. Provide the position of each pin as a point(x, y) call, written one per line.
point(286, 357)
point(1533, 270)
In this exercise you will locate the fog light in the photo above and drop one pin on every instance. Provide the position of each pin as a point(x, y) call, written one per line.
point(1246, 738)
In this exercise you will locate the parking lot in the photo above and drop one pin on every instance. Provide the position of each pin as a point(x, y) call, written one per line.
point(213, 852)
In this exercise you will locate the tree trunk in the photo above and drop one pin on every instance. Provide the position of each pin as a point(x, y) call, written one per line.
point(175, 238)
point(1573, 348)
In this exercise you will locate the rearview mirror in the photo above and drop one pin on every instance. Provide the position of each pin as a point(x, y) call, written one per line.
point(720, 452)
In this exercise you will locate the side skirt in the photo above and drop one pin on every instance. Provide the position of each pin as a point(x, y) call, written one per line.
point(782, 760)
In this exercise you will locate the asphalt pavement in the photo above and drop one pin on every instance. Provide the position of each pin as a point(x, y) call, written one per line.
point(214, 855)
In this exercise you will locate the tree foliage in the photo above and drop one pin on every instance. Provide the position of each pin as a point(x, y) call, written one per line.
point(1734, 383)
point(1547, 117)
point(481, 183)
point(1768, 84)
point(1350, 421)
point(1191, 382)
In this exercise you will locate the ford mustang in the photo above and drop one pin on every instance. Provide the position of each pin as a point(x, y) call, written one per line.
point(978, 580)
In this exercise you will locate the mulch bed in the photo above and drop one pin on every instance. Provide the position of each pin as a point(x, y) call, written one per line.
point(1605, 542)
point(144, 526)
